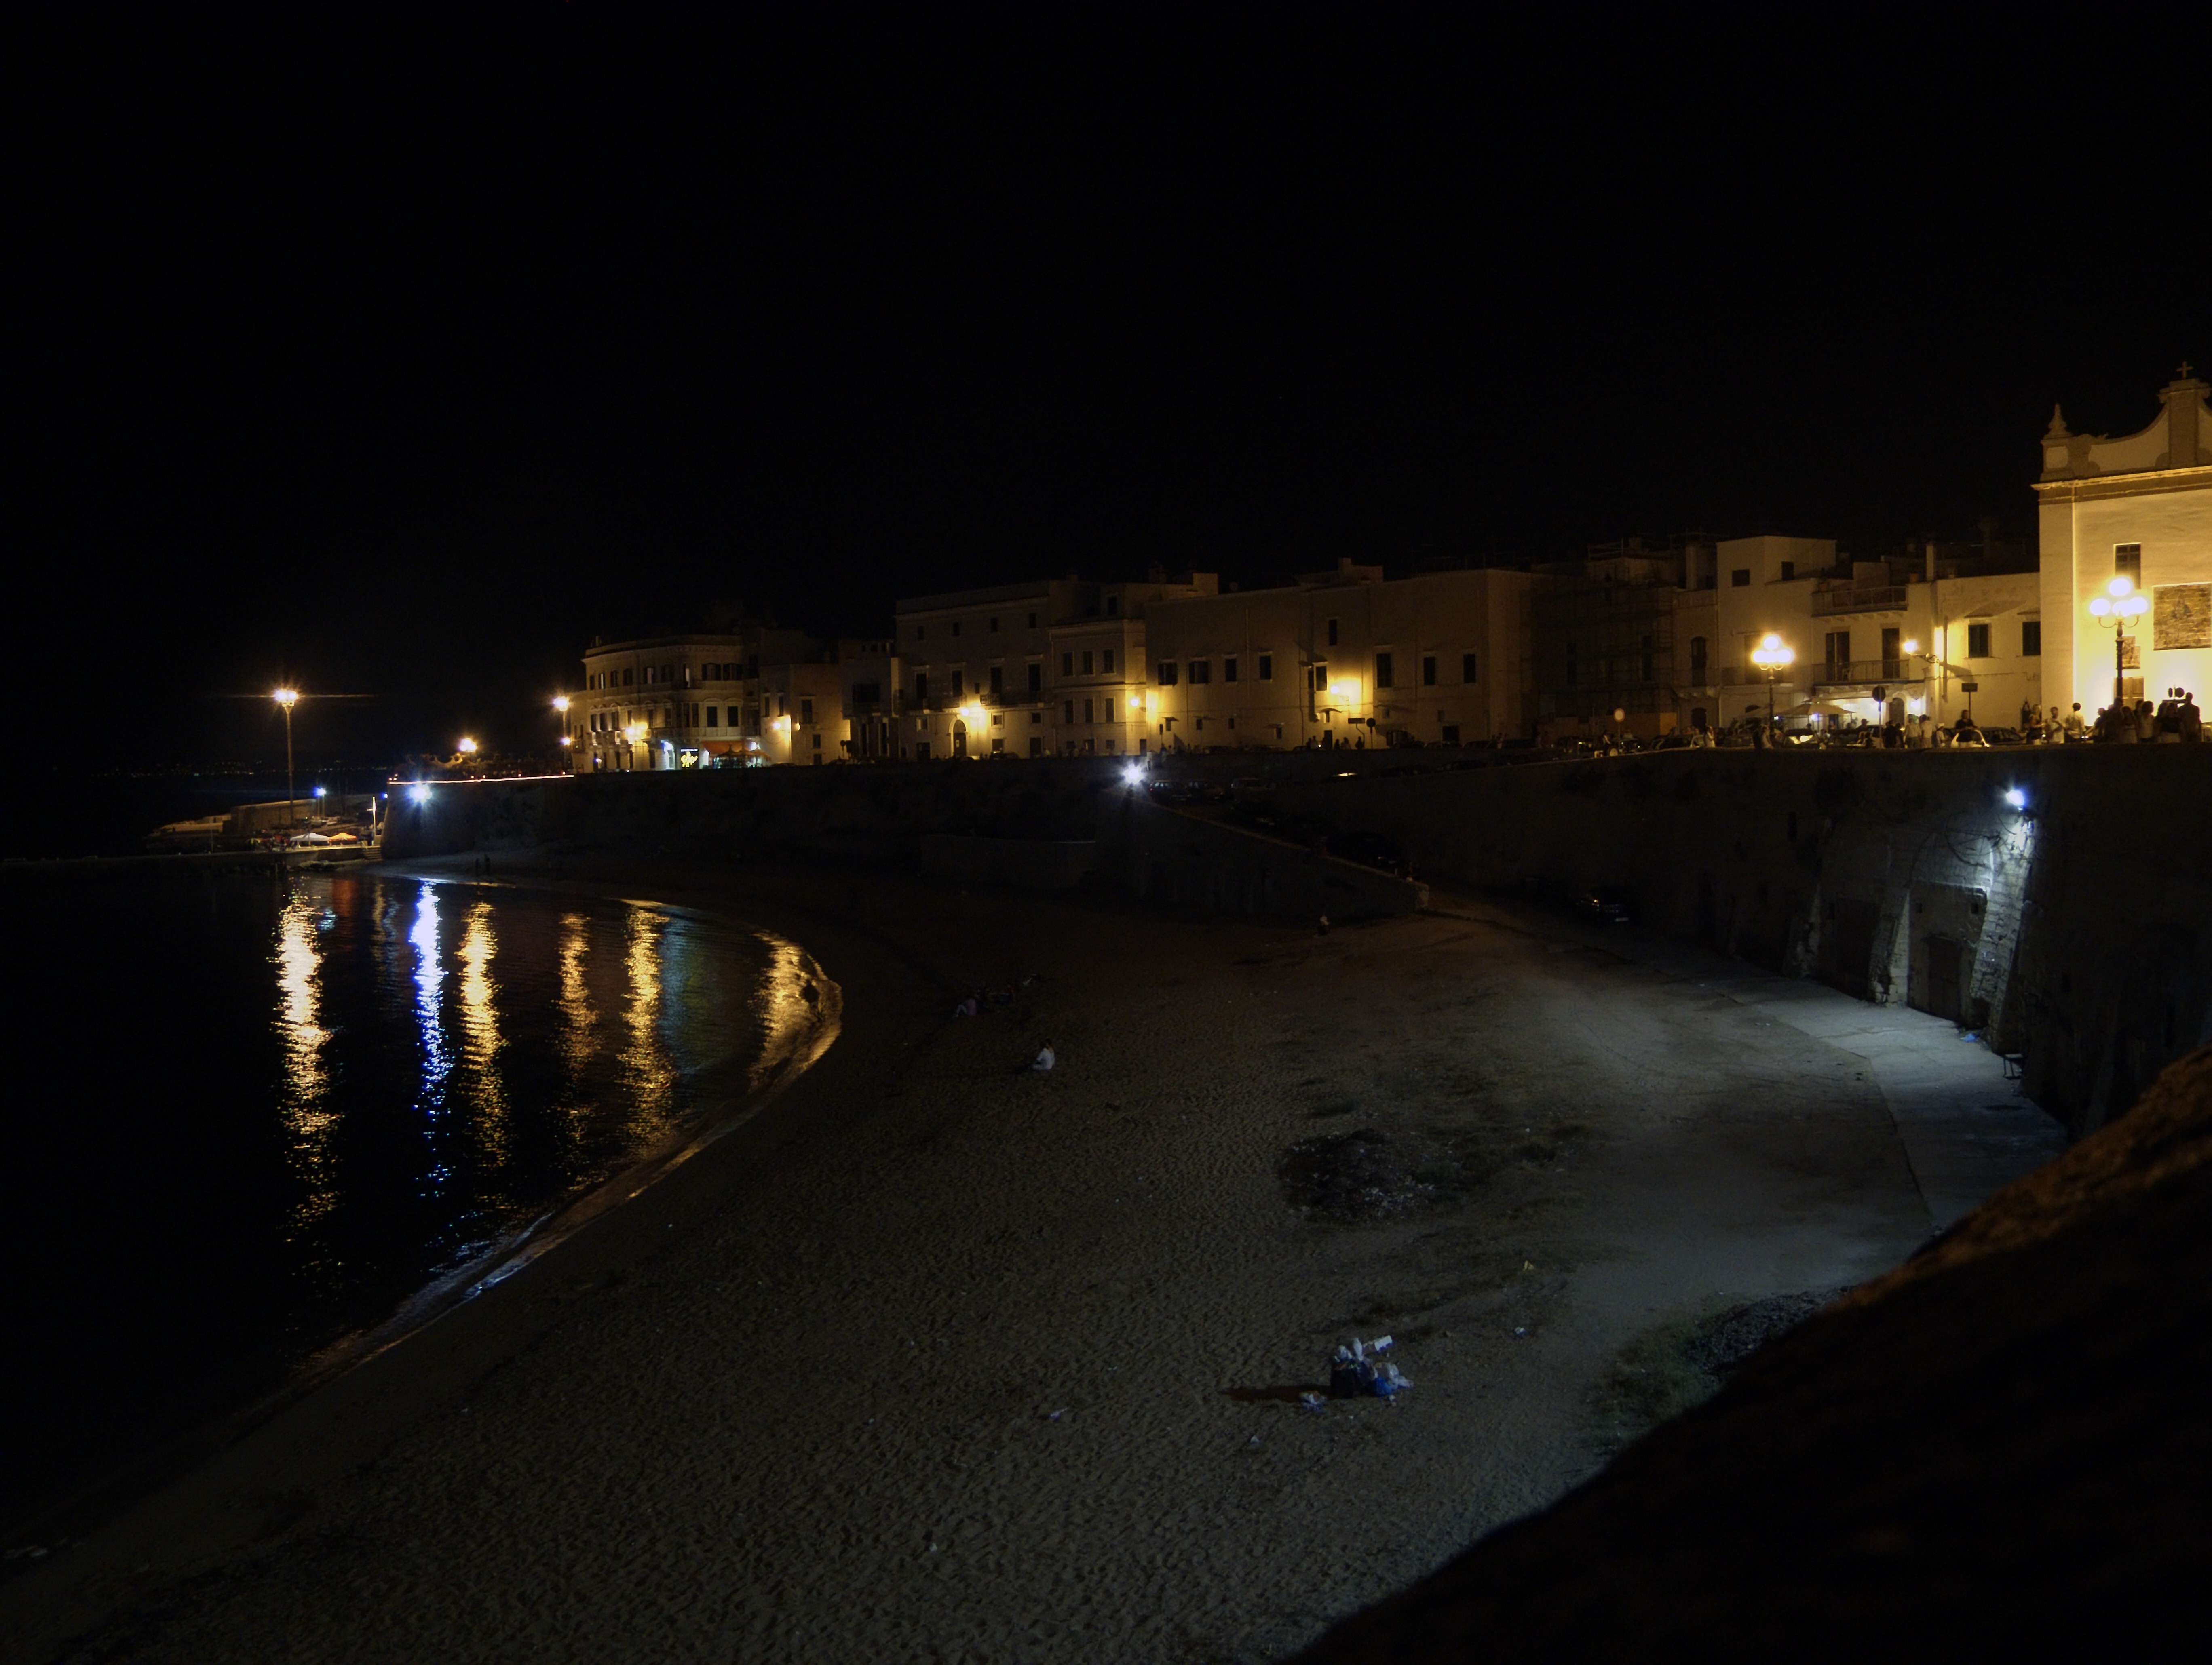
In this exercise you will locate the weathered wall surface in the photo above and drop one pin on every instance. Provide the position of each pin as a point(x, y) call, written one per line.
point(2078, 932)
point(1186, 861)
point(1048, 825)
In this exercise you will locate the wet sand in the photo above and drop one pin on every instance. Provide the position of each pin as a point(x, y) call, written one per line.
point(942, 1360)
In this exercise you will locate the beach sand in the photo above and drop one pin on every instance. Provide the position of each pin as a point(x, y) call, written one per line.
point(941, 1358)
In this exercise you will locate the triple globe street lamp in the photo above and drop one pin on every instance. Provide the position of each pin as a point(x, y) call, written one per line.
point(2112, 611)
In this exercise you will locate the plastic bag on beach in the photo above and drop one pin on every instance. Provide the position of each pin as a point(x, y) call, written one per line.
point(1358, 1370)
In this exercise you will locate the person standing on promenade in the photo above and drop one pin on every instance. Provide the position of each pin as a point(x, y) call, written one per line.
point(2074, 733)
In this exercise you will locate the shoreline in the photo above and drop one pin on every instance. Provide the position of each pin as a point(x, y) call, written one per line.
point(102, 1498)
point(941, 1251)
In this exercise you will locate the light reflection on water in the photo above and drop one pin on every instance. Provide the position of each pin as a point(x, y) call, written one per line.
point(294, 1103)
point(532, 1048)
point(299, 989)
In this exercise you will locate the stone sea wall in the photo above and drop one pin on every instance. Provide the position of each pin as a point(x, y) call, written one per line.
point(1046, 825)
point(2075, 933)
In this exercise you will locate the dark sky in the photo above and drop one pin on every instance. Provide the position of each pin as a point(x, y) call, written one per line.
point(400, 351)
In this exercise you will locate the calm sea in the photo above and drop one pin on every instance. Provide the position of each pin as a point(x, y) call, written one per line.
point(248, 1116)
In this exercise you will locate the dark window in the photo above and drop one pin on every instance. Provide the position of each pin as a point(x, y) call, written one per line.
point(1036, 678)
point(1032, 621)
point(1087, 712)
point(1267, 667)
point(1086, 662)
point(921, 688)
point(1788, 569)
point(1113, 606)
point(1978, 641)
point(1167, 673)
point(1332, 633)
point(626, 675)
point(1229, 670)
point(1068, 711)
point(998, 681)
point(1698, 660)
point(2127, 563)
point(1106, 660)
point(807, 711)
point(1649, 671)
point(959, 684)
point(1428, 670)
point(994, 624)
point(1383, 672)
point(2030, 638)
point(1466, 669)
point(922, 632)
point(714, 713)
point(1067, 664)
point(956, 626)
point(865, 693)
point(1739, 577)
point(1201, 670)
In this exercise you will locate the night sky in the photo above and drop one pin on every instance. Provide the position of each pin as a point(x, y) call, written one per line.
point(399, 353)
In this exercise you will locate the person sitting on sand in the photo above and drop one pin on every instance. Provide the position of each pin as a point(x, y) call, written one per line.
point(1042, 1064)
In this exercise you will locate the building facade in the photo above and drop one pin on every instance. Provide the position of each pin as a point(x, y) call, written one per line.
point(1341, 658)
point(1050, 668)
point(2139, 509)
point(684, 701)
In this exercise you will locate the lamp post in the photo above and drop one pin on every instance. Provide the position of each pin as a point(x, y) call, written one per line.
point(560, 705)
point(286, 699)
point(2112, 611)
point(1771, 656)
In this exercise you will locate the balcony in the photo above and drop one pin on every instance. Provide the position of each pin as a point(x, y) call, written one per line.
point(1860, 598)
point(1832, 673)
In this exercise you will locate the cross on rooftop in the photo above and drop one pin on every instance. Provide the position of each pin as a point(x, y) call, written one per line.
point(2186, 367)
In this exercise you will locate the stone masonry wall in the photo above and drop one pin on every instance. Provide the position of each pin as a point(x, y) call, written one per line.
point(2082, 924)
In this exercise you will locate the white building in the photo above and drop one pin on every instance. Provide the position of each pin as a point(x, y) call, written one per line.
point(2137, 508)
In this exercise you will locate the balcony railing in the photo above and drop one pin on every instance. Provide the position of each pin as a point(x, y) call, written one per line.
point(1828, 672)
point(1831, 671)
point(1859, 598)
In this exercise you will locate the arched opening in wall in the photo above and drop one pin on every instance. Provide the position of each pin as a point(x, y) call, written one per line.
point(959, 738)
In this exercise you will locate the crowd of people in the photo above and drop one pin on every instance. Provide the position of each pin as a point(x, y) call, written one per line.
point(2174, 721)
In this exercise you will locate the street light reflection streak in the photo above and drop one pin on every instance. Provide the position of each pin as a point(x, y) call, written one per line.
point(579, 1022)
point(430, 1017)
point(479, 1024)
point(646, 1068)
point(299, 1023)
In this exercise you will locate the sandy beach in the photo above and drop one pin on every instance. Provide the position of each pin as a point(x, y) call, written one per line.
point(940, 1358)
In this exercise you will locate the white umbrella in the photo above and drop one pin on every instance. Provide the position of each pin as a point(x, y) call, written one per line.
point(1821, 708)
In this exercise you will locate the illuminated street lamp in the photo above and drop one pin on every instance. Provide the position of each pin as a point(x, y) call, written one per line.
point(1771, 654)
point(286, 699)
point(560, 705)
point(467, 747)
point(2112, 611)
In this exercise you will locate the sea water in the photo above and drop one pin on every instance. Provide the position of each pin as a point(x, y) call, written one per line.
point(248, 1115)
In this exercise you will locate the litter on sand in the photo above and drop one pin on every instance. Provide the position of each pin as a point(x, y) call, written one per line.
point(1043, 1062)
point(1314, 1402)
point(1358, 1369)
